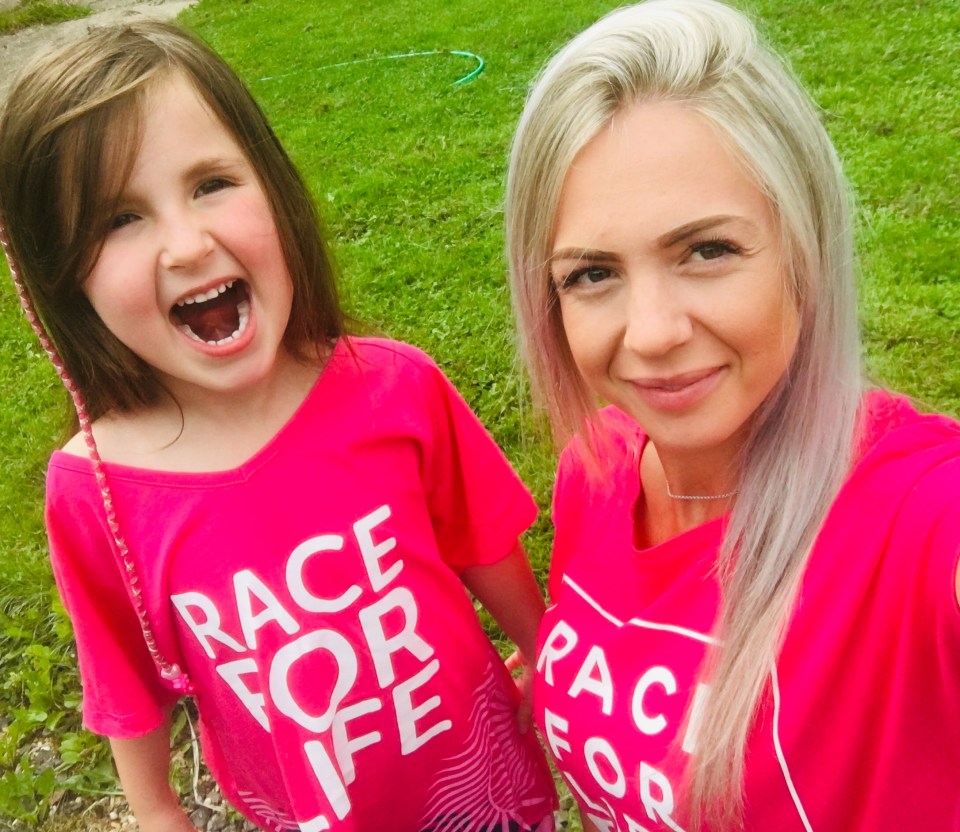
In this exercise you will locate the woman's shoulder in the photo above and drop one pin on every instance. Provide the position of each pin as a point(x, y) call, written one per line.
point(907, 457)
point(610, 439)
point(913, 477)
point(894, 429)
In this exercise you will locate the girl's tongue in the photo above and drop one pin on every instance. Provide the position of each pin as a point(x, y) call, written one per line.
point(216, 319)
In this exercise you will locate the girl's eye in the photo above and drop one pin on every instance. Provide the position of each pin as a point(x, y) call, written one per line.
point(120, 220)
point(212, 186)
point(588, 276)
point(712, 250)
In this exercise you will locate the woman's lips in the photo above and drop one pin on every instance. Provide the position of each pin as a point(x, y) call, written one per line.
point(681, 391)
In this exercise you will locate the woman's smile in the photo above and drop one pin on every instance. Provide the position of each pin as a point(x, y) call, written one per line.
point(679, 392)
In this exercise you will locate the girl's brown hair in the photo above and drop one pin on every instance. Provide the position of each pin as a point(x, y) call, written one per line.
point(69, 135)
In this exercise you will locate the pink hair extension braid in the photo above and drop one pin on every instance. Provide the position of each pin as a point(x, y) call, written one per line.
point(171, 672)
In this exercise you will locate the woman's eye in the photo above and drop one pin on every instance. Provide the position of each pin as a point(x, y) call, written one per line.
point(588, 276)
point(712, 250)
point(213, 185)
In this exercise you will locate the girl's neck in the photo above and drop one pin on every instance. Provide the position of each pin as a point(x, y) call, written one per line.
point(206, 430)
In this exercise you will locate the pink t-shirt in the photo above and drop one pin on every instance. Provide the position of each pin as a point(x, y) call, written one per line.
point(859, 727)
point(341, 675)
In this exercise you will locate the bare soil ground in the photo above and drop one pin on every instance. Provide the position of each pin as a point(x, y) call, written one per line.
point(17, 47)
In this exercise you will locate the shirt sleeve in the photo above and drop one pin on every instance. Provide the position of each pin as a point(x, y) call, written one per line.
point(123, 696)
point(933, 512)
point(478, 505)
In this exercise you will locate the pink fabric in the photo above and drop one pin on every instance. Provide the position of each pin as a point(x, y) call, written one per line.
point(868, 682)
point(311, 594)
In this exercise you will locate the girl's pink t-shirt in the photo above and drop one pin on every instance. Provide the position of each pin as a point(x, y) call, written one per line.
point(342, 677)
point(859, 726)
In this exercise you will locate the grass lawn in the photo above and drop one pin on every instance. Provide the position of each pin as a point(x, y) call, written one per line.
point(408, 170)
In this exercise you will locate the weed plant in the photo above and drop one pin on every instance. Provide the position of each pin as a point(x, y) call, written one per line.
point(408, 171)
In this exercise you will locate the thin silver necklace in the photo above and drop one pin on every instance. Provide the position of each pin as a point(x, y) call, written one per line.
point(673, 496)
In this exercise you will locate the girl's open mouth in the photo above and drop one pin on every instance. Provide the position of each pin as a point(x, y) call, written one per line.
point(217, 316)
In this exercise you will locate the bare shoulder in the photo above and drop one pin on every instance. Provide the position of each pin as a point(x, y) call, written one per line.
point(109, 434)
point(76, 446)
point(127, 438)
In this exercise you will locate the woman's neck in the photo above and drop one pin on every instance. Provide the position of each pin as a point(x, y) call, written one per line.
point(671, 501)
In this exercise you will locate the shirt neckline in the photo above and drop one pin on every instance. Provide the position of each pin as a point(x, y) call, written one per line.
point(62, 459)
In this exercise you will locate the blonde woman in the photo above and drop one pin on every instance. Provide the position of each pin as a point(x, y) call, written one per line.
point(755, 619)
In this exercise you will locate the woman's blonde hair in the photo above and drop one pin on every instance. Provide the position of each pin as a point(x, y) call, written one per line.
point(69, 134)
point(706, 55)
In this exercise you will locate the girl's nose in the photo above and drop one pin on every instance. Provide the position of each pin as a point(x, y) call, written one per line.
point(657, 319)
point(185, 242)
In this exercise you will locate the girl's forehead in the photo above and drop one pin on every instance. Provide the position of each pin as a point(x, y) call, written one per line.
point(172, 119)
point(167, 94)
point(175, 96)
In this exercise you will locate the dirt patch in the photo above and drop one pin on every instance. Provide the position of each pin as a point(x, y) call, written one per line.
point(17, 47)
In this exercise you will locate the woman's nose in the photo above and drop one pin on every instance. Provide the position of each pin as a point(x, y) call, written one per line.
point(657, 319)
point(185, 241)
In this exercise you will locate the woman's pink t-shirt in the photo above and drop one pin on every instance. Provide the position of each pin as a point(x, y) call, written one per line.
point(859, 727)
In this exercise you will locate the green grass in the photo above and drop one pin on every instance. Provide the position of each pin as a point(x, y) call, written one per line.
point(408, 171)
point(37, 13)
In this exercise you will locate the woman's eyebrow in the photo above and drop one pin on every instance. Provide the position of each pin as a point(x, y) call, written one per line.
point(665, 240)
point(575, 253)
point(698, 226)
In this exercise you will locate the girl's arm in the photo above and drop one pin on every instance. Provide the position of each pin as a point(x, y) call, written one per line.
point(588, 826)
point(509, 592)
point(143, 764)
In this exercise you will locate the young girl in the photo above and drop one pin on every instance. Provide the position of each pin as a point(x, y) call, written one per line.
point(258, 510)
point(755, 620)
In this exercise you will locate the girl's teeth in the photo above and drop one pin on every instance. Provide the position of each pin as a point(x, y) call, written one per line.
point(200, 297)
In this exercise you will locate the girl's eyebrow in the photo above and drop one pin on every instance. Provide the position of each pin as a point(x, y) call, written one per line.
point(212, 164)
